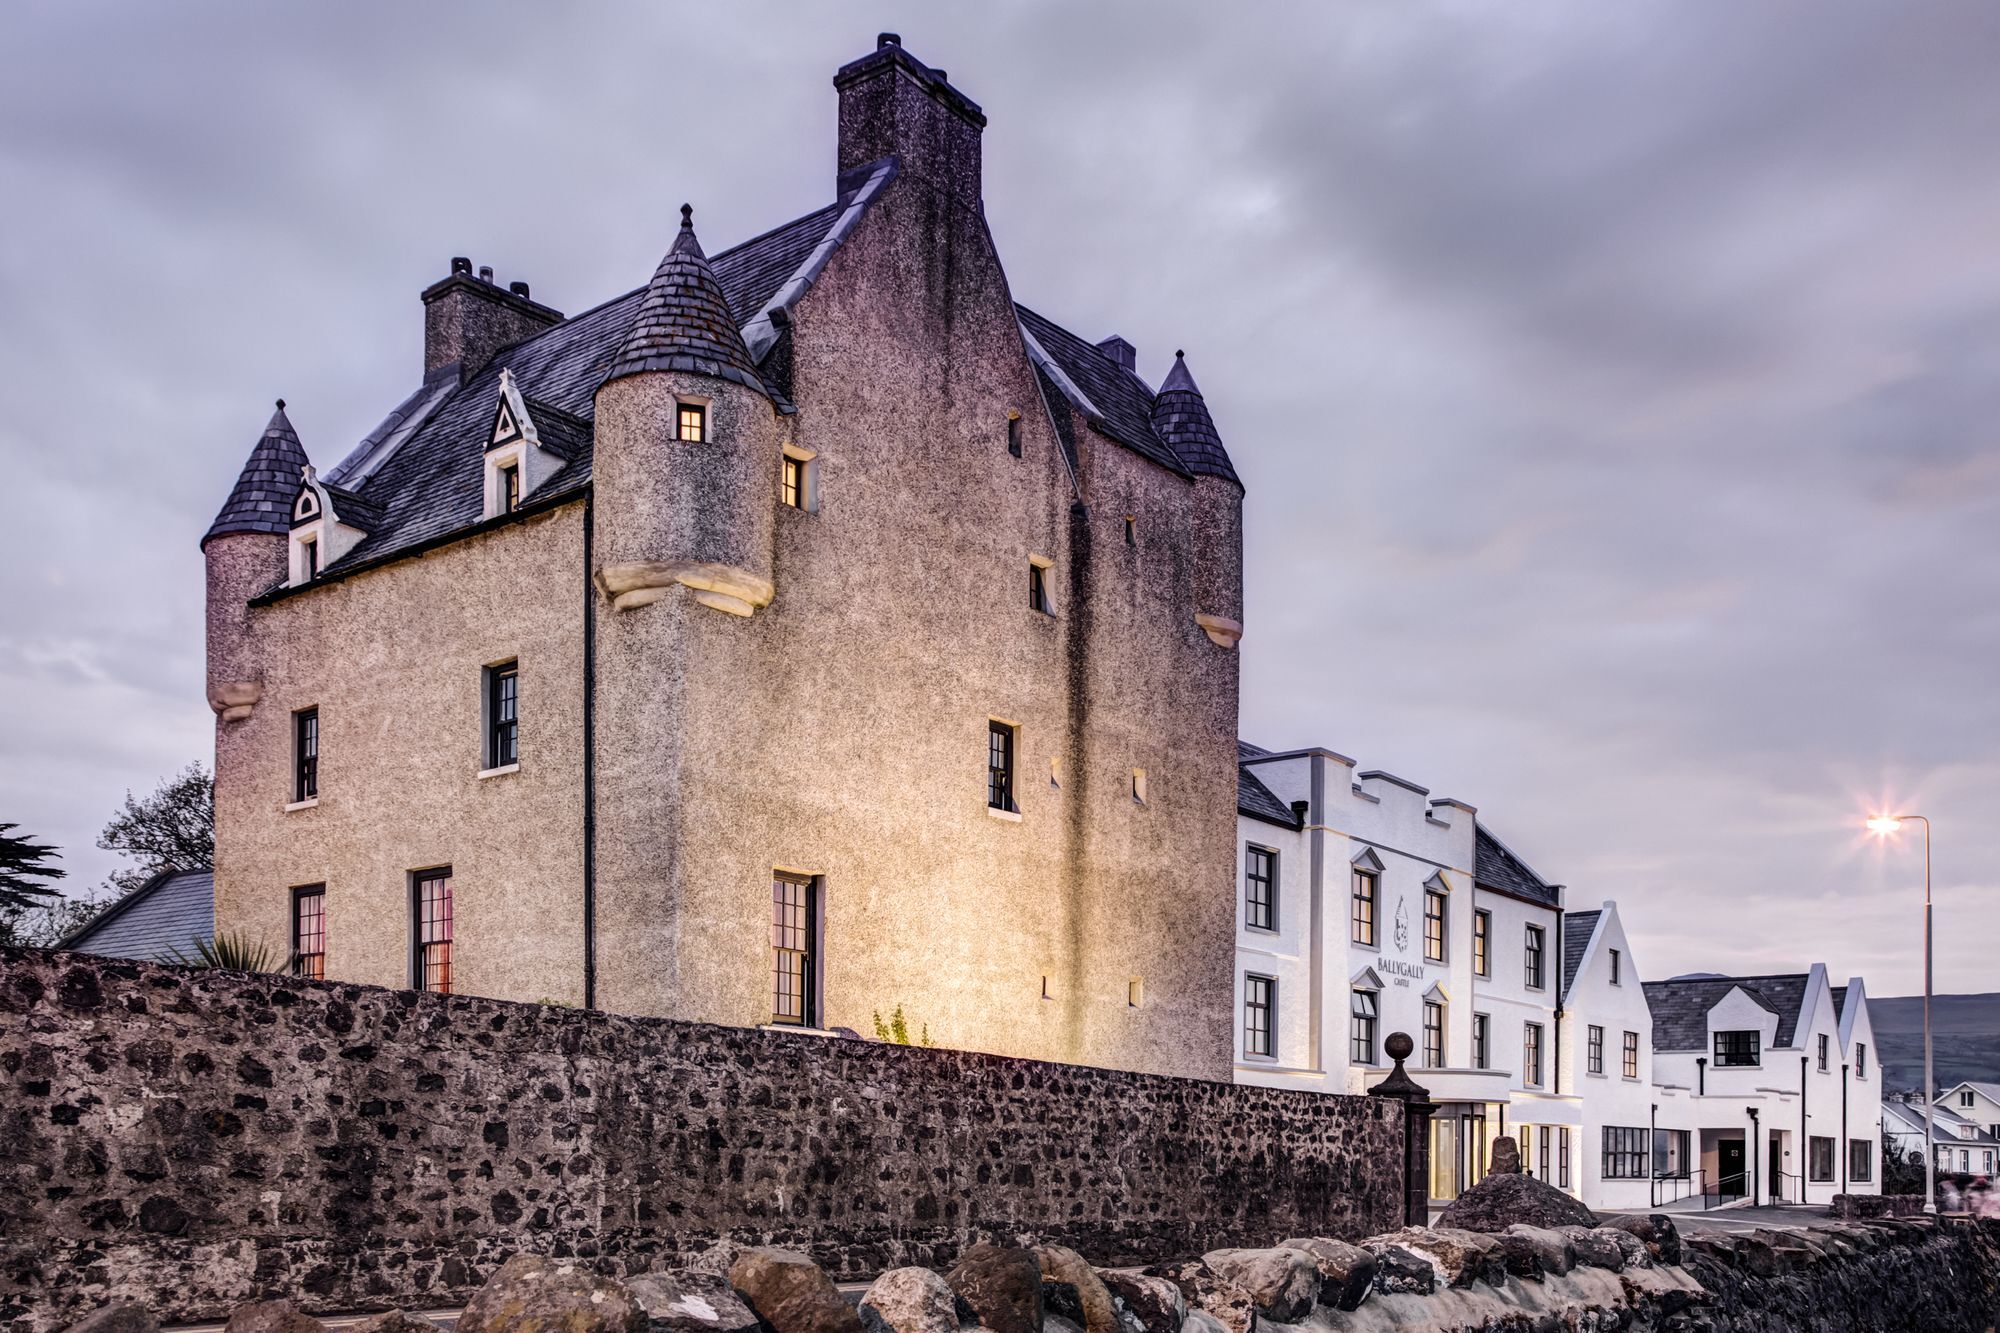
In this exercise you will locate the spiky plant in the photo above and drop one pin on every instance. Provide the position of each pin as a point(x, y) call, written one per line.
point(230, 951)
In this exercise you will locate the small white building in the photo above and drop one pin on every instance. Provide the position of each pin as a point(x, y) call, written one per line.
point(1768, 1088)
point(1964, 1146)
point(1607, 1039)
point(1976, 1102)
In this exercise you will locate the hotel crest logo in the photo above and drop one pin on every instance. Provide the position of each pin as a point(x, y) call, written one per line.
point(1402, 924)
point(1403, 972)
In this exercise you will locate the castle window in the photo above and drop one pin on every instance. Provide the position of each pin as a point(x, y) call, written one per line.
point(792, 481)
point(1433, 1035)
point(1014, 434)
point(1139, 785)
point(1131, 531)
point(1361, 910)
point(305, 755)
point(1482, 943)
point(1361, 1028)
point(1531, 1055)
point(691, 422)
point(309, 932)
point(999, 766)
point(308, 559)
point(1631, 1055)
point(1595, 1064)
point(430, 936)
point(794, 949)
point(1481, 1053)
point(1038, 586)
point(1434, 905)
point(509, 478)
point(1535, 964)
point(1135, 992)
point(1260, 997)
point(503, 714)
point(1260, 888)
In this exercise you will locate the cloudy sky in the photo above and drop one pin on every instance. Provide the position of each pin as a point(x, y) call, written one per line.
point(1615, 385)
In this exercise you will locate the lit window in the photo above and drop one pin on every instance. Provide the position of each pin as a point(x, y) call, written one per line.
point(1361, 914)
point(1631, 1055)
point(1535, 966)
point(792, 481)
point(309, 932)
point(510, 487)
point(1260, 997)
point(1433, 1035)
point(1531, 1054)
point(691, 423)
point(1361, 1031)
point(503, 708)
point(1260, 888)
point(1482, 942)
point(305, 754)
point(794, 949)
point(431, 917)
point(1434, 904)
point(1594, 1050)
point(1481, 1059)
point(999, 766)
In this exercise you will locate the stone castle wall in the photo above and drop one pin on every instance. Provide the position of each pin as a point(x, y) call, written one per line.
point(189, 1138)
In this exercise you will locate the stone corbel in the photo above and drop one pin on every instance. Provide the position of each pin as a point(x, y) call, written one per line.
point(233, 700)
point(723, 587)
point(1221, 630)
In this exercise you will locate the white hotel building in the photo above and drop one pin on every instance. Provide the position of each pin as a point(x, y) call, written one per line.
point(1367, 906)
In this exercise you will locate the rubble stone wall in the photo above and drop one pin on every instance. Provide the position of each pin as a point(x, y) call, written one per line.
point(191, 1138)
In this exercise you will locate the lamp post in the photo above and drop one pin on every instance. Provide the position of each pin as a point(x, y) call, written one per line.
point(1885, 825)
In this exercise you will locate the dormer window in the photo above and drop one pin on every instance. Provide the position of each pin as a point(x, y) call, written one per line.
point(327, 523)
point(509, 487)
point(691, 423)
point(516, 459)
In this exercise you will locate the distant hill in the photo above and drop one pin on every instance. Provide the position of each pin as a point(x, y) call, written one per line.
point(1965, 1039)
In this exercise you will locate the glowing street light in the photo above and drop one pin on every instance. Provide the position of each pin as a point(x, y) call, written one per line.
point(1886, 825)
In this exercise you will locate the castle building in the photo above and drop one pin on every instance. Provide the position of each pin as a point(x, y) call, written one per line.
point(809, 632)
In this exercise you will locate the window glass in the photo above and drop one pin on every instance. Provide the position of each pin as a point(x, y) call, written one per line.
point(305, 754)
point(1260, 887)
point(1361, 1031)
point(1259, 997)
point(1482, 943)
point(1362, 914)
point(1594, 1050)
point(691, 422)
point(1000, 766)
point(1433, 1035)
point(1737, 1048)
point(1434, 908)
point(1534, 963)
point(794, 949)
point(432, 891)
point(1624, 1153)
point(309, 932)
point(503, 710)
point(1631, 1055)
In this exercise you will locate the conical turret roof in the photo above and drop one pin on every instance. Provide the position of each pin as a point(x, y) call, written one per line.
point(261, 500)
point(1180, 417)
point(684, 322)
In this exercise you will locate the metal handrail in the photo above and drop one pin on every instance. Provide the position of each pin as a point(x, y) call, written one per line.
point(1728, 1189)
point(1691, 1181)
point(1791, 1188)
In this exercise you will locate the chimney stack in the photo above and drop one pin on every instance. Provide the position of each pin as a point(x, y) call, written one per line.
point(467, 319)
point(892, 104)
point(1124, 353)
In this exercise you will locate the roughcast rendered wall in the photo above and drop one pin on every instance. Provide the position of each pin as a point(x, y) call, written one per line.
point(188, 1138)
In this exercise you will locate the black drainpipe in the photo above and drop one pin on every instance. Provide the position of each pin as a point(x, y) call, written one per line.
point(1653, 1170)
point(1562, 951)
point(1701, 1076)
point(1756, 1131)
point(1805, 1142)
point(589, 769)
point(1843, 1149)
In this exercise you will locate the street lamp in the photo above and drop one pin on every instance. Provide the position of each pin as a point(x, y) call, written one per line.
point(1886, 825)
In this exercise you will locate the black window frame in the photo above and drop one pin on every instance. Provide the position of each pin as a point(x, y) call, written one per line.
point(1617, 971)
point(792, 482)
point(797, 925)
point(1000, 747)
point(1820, 1149)
point(1629, 1055)
point(503, 715)
point(1482, 942)
point(1260, 1016)
point(1825, 1051)
point(300, 966)
point(1730, 1046)
point(1562, 1157)
point(1860, 1161)
point(1364, 910)
point(305, 754)
point(1260, 887)
point(684, 412)
point(1535, 959)
point(1437, 905)
point(1627, 1153)
point(1594, 1050)
point(432, 958)
point(1482, 1049)
point(1532, 1051)
point(1364, 1029)
point(1434, 1034)
point(1861, 1059)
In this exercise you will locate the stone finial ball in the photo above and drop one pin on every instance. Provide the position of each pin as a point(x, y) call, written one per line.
point(1399, 1046)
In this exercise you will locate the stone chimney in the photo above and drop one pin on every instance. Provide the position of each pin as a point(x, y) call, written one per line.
point(1124, 353)
point(892, 104)
point(467, 319)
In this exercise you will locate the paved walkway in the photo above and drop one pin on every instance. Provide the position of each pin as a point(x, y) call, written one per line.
point(1781, 1217)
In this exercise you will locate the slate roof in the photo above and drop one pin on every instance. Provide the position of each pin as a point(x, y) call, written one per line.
point(1944, 1125)
point(153, 922)
point(1578, 927)
point(1680, 1006)
point(261, 500)
point(1496, 868)
point(1120, 404)
point(684, 321)
point(1180, 417)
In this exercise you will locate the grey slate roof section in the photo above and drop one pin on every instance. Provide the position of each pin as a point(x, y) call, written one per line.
point(1256, 800)
point(1680, 1007)
point(261, 500)
point(684, 322)
point(1113, 399)
point(1180, 417)
point(164, 916)
point(1496, 868)
point(1578, 927)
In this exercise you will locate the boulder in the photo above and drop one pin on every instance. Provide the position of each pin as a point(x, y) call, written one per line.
point(791, 1293)
point(1055, 1323)
point(1636, 1253)
point(532, 1293)
point(1145, 1304)
point(1400, 1270)
point(1283, 1284)
point(393, 1321)
point(1206, 1290)
point(1505, 1157)
point(1657, 1232)
point(1498, 1202)
point(1001, 1285)
point(1553, 1250)
point(1346, 1272)
point(1201, 1321)
point(118, 1317)
point(1522, 1256)
point(691, 1302)
point(279, 1316)
point(1596, 1247)
point(1462, 1257)
point(1072, 1288)
point(908, 1300)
